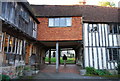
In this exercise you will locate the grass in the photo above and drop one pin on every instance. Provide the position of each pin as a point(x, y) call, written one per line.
point(53, 60)
point(26, 77)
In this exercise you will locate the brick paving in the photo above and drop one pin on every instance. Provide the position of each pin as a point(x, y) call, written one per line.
point(71, 71)
point(70, 68)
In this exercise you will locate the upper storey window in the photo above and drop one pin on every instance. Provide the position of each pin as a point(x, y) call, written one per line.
point(60, 22)
point(114, 29)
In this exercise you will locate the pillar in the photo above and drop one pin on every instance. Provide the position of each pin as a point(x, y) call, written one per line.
point(76, 54)
point(57, 57)
point(49, 56)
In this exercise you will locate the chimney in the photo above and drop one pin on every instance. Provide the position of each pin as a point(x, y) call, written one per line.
point(82, 2)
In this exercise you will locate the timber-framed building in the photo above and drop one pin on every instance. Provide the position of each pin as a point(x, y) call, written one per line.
point(29, 31)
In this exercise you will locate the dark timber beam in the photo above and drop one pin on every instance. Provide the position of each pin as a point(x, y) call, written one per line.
point(49, 56)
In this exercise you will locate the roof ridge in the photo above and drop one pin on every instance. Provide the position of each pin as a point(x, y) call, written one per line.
point(90, 12)
point(75, 5)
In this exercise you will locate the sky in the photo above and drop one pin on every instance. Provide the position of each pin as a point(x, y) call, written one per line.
point(67, 2)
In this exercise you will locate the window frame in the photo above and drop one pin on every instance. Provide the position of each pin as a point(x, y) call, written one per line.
point(111, 54)
point(60, 21)
point(112, 29)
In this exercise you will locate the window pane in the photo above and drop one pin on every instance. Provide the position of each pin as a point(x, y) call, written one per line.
point(115, 54)
point(110, 54)
point(3, 9)
point(7, 11)
point(68, 21)
point(90, 28)
point(51, 22)
point(62, 22)
point(115, 28)
point(12, 15)
point(119, 29)
point(57, 22)
point(110, 28)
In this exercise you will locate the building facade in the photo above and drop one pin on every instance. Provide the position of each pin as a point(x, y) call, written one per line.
point(93, 32)
point(95, 28)
point(18, 44)
point(101, 45)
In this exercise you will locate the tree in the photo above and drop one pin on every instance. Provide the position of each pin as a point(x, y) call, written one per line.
point(106, 3)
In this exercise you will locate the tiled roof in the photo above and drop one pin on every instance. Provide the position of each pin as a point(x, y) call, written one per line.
point(89, 12)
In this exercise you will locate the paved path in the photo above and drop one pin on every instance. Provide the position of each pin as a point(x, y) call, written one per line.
point(69, 72)
point(42, 75)
point(69, 68)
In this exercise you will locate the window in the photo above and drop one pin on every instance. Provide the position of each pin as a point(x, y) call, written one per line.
point(4, 5)
point(93, 28)
point(114, 28)
point(1, 41)
point(60, 22)
point(113, 54)
point(7, 10)
point(12, 15)
point(34, 29)
point(119, 29)
point(6, 45)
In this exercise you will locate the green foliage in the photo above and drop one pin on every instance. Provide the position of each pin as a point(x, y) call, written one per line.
point(106, 3)
point(5, 78)
point(53, 60)
point(90, 70)
point(102, 72)
point(118, 67)
point(27, 68)
point(93, 71)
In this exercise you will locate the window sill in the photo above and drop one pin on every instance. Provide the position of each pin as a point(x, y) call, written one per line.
point(112, 61)
point(114, 33)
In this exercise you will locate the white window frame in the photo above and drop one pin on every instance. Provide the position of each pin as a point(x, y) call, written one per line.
point(52, 22)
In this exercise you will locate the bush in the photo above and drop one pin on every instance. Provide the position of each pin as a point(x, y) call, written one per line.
point(5, 78)
point(27, 68)
point(90, 70)
point(102, 72)
point(118, 67)
point(93, 71)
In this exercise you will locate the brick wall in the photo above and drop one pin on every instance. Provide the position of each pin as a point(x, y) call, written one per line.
point(46, 33)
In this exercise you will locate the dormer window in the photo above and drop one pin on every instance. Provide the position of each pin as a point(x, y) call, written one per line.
point(60, 22)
